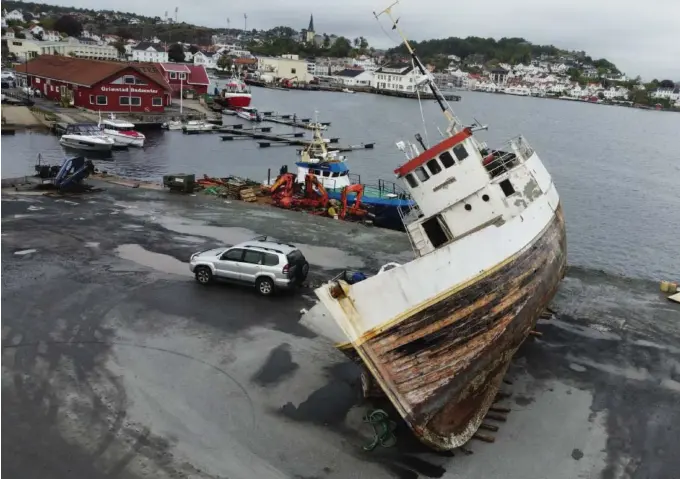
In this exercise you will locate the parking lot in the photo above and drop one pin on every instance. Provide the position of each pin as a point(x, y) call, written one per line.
point(116, 363)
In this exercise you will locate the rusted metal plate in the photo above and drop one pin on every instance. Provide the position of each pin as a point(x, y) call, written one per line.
point(444, 364)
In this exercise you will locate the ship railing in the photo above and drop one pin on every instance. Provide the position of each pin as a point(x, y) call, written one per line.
point(514, 153)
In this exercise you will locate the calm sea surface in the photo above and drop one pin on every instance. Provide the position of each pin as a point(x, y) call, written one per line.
point(617, 169)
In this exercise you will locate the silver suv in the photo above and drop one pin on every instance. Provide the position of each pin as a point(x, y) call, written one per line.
point(263, 262)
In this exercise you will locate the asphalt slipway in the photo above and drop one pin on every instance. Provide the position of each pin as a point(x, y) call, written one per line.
point(117, 364)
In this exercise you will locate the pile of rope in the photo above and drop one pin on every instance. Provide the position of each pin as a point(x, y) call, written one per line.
point(383, 429)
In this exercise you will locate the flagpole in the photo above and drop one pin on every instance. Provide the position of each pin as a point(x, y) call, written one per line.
point(129, 98)
point(181, 95)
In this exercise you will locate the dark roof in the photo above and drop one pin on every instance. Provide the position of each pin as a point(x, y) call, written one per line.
point(348, 72)
point(208, 54)
point(396, 66)
point(311, 23)
point(500, 70)
point(145, 46)
point(86, 72)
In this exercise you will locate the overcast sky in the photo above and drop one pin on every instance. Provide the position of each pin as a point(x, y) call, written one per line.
point(641, 38)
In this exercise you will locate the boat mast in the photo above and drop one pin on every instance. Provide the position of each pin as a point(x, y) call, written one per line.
point(454, 123)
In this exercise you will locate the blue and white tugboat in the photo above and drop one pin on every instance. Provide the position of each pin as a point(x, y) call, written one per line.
point(437, 334)
point(385, 200)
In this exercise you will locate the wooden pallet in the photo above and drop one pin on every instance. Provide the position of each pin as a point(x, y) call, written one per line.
point(248, 194)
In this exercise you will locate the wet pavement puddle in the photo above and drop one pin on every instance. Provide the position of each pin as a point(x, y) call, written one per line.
point(156, 261)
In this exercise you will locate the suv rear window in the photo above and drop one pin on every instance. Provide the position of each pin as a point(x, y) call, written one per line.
point(295, 256)
point(270, 259)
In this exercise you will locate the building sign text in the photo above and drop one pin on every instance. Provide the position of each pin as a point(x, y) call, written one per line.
point(128, 89)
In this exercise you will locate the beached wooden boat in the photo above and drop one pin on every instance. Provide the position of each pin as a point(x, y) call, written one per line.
point(437, 334)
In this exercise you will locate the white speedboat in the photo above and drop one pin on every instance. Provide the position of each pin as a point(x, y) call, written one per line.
point(198, 125)
point(122, 132)
point(86, 136)
point(172, 125)
point(248, 113)
point(347, 90)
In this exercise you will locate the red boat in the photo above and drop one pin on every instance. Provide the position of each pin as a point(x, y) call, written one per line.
point(234, 95)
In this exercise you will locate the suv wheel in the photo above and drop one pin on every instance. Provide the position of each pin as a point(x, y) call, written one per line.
point(265, 286)
point(203, 275)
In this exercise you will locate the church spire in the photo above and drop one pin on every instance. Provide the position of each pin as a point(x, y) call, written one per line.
point(311, 23)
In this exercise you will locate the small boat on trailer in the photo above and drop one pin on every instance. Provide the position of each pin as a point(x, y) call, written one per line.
point(436, 334)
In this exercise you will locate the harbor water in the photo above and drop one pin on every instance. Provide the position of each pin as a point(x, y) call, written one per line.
point(617, 169)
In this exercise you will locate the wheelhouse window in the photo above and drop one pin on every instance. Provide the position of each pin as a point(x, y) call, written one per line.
point(447, 159)
point(422, 175)
point(102, 100)
point(460, 152)
point(157, 101)
point(411, 180)
point(434, 166)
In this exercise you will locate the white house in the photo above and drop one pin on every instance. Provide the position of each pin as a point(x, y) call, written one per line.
point(207, 59)
point(36, 30)
point(149, 52)
point(9, 33)
point(366, 63)
point(188, 56)
point(288, 66)
point(672, 94)
point(355, 77)
point(397, 77)
point(13, 15)
point(133, 21)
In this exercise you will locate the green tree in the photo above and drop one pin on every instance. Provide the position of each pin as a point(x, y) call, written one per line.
point(341, 48)
point(363, 45)
point(224, 62)
point(176, 53)
point(666, 84)
point(326, 41)
point(69, 26)
point(120, 47)
point(640, 97)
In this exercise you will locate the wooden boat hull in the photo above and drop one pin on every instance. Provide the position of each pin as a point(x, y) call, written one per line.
point(444, 364)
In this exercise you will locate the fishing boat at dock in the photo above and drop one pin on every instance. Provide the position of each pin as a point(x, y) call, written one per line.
point(384, 200)
point(436, 334)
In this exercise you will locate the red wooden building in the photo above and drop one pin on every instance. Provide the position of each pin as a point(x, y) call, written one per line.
point(186, 76)
point(98, 85)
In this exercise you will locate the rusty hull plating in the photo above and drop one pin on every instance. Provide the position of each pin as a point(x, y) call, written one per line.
point(442, 366)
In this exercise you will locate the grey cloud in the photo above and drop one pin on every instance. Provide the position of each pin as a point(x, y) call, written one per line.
point(642, 39)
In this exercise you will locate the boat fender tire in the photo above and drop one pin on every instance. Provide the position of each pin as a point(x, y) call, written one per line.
point(203, 275)
point(265, 286)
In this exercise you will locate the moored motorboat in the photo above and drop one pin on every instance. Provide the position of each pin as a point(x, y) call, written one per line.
point(198, 125)
point(122, 132)
point(250, 114)
point(172, 125)
point(86, 136)
point(437, 334)
point(347, 90)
